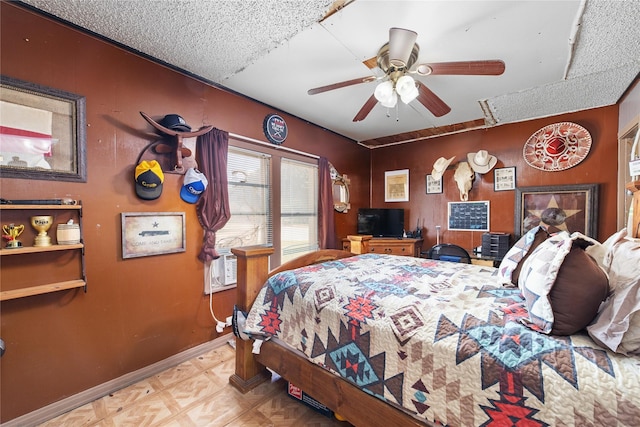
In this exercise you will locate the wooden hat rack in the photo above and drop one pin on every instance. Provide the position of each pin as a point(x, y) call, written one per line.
point(176, 150)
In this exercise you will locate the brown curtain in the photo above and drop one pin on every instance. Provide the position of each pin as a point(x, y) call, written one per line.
point(327, 232)
point(213, 206)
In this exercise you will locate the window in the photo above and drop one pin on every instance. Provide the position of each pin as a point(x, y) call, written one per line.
point(298, 209)
point(273, 197)
point(248, 173)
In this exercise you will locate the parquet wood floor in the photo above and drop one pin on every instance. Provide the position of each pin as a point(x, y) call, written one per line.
point(196, 393)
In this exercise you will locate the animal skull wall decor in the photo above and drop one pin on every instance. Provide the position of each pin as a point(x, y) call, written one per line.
point(464, 176)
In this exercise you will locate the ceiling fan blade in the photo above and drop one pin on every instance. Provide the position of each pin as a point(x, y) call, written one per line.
point(431, 101)
point(333, 86)
point(401, 43)
point(493, 67)
point(366, 109)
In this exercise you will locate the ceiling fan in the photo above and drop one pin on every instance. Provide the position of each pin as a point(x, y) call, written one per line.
point(397, 59)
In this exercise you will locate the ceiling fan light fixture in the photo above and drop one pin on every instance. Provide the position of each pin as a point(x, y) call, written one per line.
point(391, 101)
point(386, 95)
point(406, 88)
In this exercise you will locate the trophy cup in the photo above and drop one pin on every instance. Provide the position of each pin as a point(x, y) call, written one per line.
point(42, 223)
point(12, 232)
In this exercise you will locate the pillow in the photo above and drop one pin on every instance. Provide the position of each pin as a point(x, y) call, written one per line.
point(600, 251)
point(617, 326)
point(562, 285)
point(509, 269)
point(578, 291)
point(537, 276)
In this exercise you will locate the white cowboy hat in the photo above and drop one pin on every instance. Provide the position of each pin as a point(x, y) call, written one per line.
point(482, 161)
point(440, 166)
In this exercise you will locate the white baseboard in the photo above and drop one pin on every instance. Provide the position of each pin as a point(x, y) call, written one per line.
point(53, 410)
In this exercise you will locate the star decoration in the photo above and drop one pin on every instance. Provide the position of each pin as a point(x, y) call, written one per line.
point(554, 216)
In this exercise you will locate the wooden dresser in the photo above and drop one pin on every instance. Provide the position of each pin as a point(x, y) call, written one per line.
point(382, 245)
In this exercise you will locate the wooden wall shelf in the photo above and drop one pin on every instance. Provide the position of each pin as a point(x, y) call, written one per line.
point(41, 289)
point(38, 207)
point(21, 214)
point(38, 249)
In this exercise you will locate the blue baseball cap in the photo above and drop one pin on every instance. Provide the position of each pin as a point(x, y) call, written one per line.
point(194, 184)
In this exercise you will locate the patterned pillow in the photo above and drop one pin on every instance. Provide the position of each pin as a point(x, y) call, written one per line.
point(618, 323)
point(538, 275)
point(511, 264)
point(563, 286)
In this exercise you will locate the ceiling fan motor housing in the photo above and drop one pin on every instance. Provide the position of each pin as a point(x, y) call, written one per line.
point(388, 68)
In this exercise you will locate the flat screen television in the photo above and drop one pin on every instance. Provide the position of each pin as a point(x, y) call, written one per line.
point(380, 222)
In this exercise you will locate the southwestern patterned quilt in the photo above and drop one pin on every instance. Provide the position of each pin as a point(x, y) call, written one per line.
point(445, 342)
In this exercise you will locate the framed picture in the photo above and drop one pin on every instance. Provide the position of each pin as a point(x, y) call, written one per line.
point(154, 233)
point(42, 132)
point(504, 179)
point(566, 207)
point(396, 186)
point(434, 186)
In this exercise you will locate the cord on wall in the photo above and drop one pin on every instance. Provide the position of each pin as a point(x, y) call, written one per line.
point(220, 325)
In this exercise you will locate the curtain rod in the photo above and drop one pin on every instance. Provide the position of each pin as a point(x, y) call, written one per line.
point(277, 147)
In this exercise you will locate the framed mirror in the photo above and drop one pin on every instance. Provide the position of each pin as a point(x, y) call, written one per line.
point(42, 132)
point(340, 191)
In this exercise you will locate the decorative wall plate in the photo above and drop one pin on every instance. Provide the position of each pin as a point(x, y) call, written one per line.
point(557, 147)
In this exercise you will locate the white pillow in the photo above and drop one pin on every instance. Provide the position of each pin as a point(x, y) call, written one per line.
point(617, 326)
point(601, 251)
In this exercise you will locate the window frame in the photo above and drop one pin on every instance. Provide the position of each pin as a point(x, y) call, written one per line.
point(276, 156)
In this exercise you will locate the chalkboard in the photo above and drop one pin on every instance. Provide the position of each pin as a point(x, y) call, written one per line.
point(469, 216)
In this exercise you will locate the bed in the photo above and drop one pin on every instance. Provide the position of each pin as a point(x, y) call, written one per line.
point(426, 342)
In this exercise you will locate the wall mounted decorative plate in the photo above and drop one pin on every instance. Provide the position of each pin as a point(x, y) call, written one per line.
point(557, 147)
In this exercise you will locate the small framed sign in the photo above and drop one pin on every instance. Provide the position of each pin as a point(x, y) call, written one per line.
point(434, 186)
point(275, 129)
point(504, 179)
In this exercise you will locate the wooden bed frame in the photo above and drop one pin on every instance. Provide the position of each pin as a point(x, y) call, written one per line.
point(343, 398)
point(358, 407)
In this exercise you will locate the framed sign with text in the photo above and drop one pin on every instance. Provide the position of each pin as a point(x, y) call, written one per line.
point(152, 233)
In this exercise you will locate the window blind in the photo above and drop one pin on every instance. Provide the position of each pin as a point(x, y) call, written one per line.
point(249, 200)
point(299, 208)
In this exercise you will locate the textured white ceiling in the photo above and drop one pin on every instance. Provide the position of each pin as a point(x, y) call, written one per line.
point(561, 56)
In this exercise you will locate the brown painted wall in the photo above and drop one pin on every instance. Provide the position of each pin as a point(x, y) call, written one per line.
point(136, 311)
point(506, 143)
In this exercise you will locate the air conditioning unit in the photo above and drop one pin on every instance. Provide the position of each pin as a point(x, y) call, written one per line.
point(222, 272)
